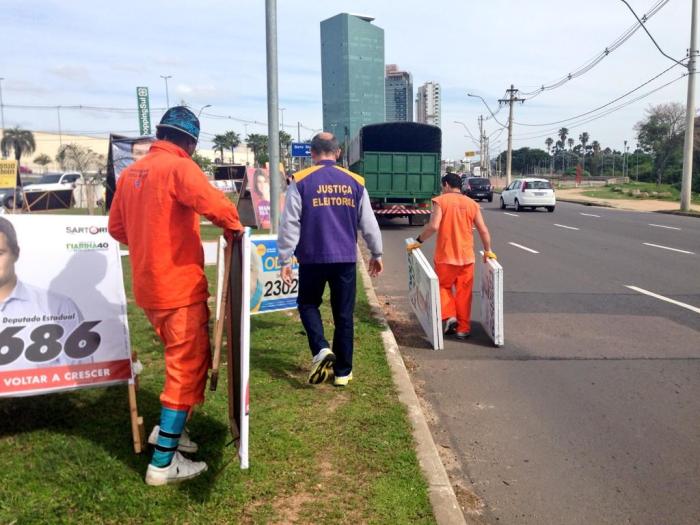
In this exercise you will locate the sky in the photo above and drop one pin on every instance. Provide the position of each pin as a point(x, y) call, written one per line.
point(92, 54)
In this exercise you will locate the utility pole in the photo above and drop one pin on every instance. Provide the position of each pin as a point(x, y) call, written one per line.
point(690, 113)
point(167, 95)
point(247, 149)
point(273, 128)
point(60, 133)
point(512, 98)
point(482, 145)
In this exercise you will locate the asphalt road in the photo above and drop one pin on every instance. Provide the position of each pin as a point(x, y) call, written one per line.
point(590, 413)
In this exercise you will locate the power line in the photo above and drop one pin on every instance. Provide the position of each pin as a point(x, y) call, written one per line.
point(604, 114)
point(648, 33)
point(599, 107)
point(590, 64)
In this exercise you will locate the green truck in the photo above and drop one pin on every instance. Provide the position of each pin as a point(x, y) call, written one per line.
point(400, 162)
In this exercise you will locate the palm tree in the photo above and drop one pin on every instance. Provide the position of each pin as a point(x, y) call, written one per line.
point(258, 143)
point(42, 160)
point(571, 143)
point(220, 144)
point(21, 141)
point(232, 141)
point(549, 141)
point(584, 138)
point(563, 133)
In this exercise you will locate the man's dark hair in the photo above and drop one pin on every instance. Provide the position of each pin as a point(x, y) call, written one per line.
point(452, 180)
point(8, 230)
point(324, 146)
point(176, 137)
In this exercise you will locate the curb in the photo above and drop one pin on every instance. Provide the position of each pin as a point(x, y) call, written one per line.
point(446, 509)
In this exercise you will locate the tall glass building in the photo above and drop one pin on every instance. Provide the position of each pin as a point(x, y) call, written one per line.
point(399, 95)
point(352, 69)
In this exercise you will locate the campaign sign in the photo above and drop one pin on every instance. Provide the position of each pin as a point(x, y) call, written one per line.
point(424, 296)
point(268, 292)
point(63, 323)
point(8, 174)
point(492, 301)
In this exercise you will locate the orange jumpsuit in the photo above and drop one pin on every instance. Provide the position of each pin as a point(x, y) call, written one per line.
point(454, 257)
point(156, 211)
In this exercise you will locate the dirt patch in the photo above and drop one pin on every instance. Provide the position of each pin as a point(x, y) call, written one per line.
point(401, 321)
point(468, 500)
point(334, 404)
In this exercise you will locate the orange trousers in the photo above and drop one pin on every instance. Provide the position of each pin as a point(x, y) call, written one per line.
point(456, 293)
point(185, 335)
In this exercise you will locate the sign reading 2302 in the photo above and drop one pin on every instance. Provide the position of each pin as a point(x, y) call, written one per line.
point(45, 343)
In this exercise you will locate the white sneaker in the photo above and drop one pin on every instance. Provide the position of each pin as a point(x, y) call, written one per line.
point(321, 366)
point(184, 445)
point(449, 326)
point(180, 469)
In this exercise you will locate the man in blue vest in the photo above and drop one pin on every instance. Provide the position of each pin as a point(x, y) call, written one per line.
point(325, 206)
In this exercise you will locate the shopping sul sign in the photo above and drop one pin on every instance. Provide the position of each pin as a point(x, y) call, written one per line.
point(424, 295)
point(492, 300)
point(144, 110)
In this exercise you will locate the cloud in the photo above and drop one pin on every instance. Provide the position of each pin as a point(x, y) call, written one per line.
point(72, 73)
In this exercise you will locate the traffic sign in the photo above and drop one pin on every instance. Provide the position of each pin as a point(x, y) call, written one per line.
point(301, 149)
point(471, 153)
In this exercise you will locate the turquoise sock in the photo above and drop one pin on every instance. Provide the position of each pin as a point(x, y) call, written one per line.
point(172, 422)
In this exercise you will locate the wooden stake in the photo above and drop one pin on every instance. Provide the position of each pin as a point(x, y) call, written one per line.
point(219, 328)
point(138, 432)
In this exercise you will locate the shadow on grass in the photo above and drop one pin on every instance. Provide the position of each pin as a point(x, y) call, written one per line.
point(101, 416)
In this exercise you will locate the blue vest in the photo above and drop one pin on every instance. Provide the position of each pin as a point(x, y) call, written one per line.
point(330, 213)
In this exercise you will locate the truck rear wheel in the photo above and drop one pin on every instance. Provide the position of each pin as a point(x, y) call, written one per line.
point(418, 220)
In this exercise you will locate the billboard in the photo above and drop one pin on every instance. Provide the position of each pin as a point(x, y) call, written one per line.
point(424, 295)
point(268, 293)
point(144, 109)
point(8, 174)
point(63, 323)
point(492, 301)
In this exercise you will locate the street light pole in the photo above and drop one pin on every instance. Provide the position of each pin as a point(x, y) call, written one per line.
point(273, 143)
point(690, 113)
point(60, 133)
point(167, 95)
point(203, 108)
point(247, 149)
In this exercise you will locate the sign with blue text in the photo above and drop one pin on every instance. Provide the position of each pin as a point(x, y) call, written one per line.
point(301, 149)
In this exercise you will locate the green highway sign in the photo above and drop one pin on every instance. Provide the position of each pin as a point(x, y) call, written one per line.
point(144, 110)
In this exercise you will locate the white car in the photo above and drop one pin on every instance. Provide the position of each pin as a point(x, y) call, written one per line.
point(55, 182)
point(529, 193)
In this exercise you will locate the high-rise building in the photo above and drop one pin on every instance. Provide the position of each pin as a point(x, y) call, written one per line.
point(428, 104)
point(399, 95)
point(352, 70)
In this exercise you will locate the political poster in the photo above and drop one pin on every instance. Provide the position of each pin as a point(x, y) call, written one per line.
point(492, 301)
point(268, 292)
point(126, 151)
point(424, 296)
point(62, 305)
point(8, 174)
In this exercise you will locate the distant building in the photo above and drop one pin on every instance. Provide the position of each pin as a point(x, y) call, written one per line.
point(399, 95)
point(428, 103)
point(352, 70)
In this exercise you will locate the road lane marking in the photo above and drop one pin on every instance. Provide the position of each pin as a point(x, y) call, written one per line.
point(668, 248)
point(567, 227)
point(523, 247)
point(662, 226)
point(590, 215)
point(511, 214)
point(662, 298)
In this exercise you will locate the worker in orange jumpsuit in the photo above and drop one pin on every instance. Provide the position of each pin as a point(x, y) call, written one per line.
point(454, 217)
point(156, 212)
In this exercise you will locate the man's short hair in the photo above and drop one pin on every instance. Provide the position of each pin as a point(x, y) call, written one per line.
point(452, 180)
point(172, 135)
point(8, 230)
point(324, 146)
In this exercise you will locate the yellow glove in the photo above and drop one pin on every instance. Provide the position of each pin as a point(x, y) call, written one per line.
point(413, 246)
point(489, 255)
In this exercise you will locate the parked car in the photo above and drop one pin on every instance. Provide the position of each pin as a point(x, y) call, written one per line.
point(55, 181)
point(477, 188)
point(529, 193)
point(10, 196)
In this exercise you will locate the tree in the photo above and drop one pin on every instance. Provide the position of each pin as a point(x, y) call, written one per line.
point(258, 143)
point(43, 160)
point(563, 133)
point(203, 162)
point(21, 142)
point(79, 158)
point(549, 141)
point(220, 143)
point(571, 143)
point(584, 138)
point(661, 135)
point(232, 142)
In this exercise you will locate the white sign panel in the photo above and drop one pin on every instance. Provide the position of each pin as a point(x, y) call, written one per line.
point(63, 323)
point(424, 296)
point(492, 301)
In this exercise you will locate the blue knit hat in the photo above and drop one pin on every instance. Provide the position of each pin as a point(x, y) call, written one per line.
point(181, 119)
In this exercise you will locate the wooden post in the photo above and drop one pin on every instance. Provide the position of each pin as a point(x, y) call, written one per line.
point(137, 430)
point(219, 327)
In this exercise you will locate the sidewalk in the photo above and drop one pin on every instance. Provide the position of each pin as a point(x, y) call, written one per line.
point(646, 205)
